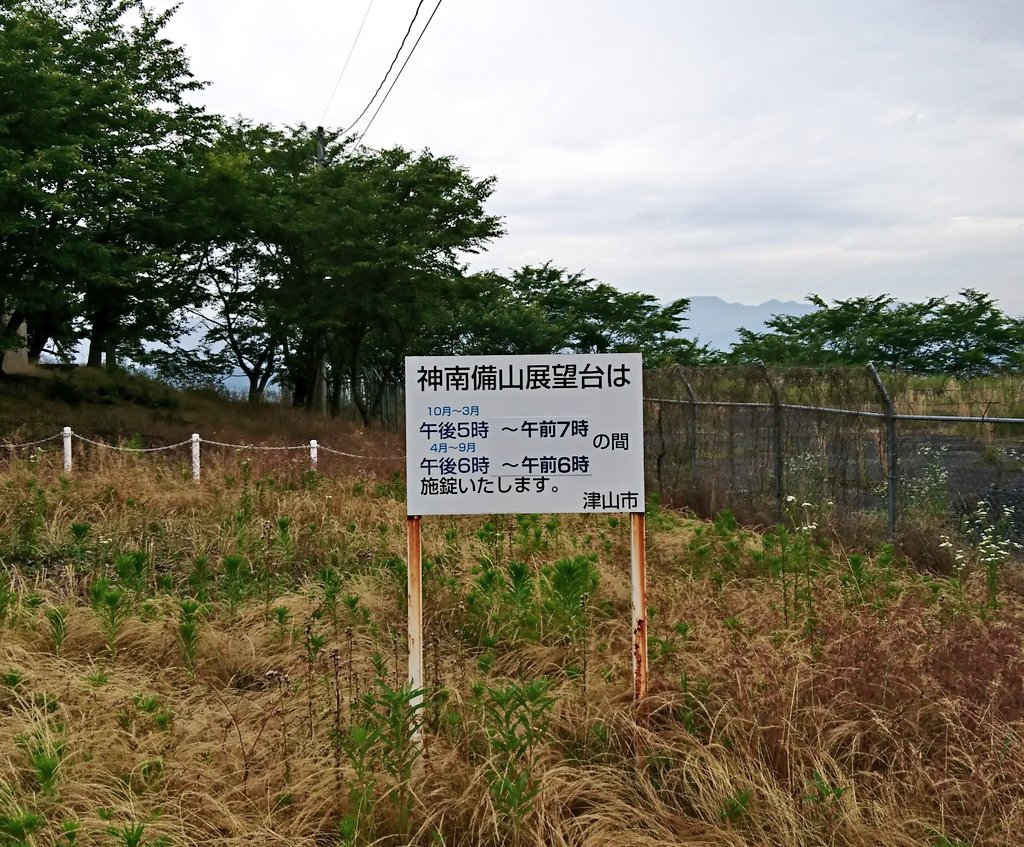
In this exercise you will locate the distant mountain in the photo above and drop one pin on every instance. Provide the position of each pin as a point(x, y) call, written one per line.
point(713, 321)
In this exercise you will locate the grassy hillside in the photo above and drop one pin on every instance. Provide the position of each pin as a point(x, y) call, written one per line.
point(120, 407)
point(222, 663)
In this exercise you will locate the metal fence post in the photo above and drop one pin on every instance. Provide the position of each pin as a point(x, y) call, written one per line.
point(659, 460)
point(67, 449)
point(892, 469)
point(693, 431)
point(776, 439)
point(196, 441)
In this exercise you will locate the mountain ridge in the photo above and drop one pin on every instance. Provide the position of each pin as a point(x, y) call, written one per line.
point(716, 322)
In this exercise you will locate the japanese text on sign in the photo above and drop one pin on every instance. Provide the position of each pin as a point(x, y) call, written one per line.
point(513, 434)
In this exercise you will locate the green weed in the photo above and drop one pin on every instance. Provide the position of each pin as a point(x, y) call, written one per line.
point(57, 618)
point(515, 721)
point(189, 633)
point(110, 605)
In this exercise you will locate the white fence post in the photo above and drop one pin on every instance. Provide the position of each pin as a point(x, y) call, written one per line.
point(196, 440)
point(67, 449)
point(313, 453)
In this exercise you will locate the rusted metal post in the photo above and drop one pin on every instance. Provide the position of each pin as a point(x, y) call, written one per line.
point(659, 460)
point(692, 397)
point(638, 578)
point(892, 466)
point(415, 571)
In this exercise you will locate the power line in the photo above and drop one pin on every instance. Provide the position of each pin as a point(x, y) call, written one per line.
point(401, 47)
point(399, 74)
point(348, 58)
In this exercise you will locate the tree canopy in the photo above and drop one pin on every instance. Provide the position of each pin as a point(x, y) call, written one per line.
point(130, 218)
point(966, 337)
point(158, 234)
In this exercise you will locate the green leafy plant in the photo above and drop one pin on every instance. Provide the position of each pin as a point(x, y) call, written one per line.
point(201, 578)
point(45, 749)
point(189, 632)
point(515, 721)
point(57, 618)
point(131, 570)
point(566, 589)
point(12, 678)
point(69, 830)
point(97, 677)
point(281, 618)
point(693, 711)
point(382, 739)
point(30, 516)
point(720, 547)
point(285, 542)
point(233, 582)
point(990, 533)
point(7, 597)
point(17, 824)
point(80, 531)
point(128, 834)
point(821, 790)
point(329, 582)
point(110, 605)
point(736, 806)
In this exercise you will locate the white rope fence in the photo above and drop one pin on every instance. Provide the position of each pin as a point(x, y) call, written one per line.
point(196, 441)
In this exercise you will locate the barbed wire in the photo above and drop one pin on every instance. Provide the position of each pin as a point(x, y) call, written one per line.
point(130, 449)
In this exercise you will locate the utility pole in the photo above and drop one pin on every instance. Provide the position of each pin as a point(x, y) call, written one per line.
point(320, 383)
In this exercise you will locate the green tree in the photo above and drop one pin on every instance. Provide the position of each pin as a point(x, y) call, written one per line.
point(374, 242)
point(546, 309)
point(99, 150)
point(966, 337)
point(236, 265)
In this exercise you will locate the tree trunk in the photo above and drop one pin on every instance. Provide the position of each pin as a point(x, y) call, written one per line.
point(36, 344)
point(255, 387)
point(357, 395)
point(97, 339)
point(13, 322)
point(111, 350)
point(263, 381)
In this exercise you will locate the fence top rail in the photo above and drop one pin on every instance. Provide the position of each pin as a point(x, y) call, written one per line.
point(738, 404)
point(860, 413)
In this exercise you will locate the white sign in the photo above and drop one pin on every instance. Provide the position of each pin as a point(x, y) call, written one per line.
point(524, 434)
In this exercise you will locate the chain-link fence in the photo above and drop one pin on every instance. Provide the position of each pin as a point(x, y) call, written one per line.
point(801, 444)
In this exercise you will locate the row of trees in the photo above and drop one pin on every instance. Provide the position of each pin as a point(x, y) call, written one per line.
point(162, 235)
point(966, 337)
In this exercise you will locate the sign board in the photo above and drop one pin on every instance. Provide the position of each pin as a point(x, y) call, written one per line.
point(524, 434)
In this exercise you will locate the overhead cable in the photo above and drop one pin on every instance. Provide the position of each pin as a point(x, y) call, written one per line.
point(348, 58)
point(401, 47)
point(399, 74)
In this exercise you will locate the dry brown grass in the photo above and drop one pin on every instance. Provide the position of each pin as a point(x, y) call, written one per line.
point(896, 719)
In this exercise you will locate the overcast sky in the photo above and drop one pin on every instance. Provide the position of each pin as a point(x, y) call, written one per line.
point(750, 150)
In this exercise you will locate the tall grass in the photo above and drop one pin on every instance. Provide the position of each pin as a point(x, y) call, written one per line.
point(247, 684)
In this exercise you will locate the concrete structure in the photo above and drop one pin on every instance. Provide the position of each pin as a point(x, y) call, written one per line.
point(15, 361)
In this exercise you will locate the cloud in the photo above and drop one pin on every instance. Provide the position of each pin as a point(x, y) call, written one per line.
point(738, 148)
